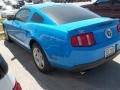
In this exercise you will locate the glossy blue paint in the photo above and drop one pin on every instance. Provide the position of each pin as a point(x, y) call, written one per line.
point(55, 39)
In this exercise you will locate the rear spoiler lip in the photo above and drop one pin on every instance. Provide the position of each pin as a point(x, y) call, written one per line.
point(80, 24)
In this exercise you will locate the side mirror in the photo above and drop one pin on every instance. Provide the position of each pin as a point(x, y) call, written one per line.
point(10, 17)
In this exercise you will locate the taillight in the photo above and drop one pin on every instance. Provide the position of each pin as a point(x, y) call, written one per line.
point(86, 39)
point(118, 27)
point(17, 86)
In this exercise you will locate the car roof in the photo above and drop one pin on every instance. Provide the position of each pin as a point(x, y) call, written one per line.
point(43, 5)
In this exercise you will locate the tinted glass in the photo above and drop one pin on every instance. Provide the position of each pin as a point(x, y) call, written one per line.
point(23, 15)
point(104, 1)
point(37, 18)
point(3, 67)
point(66, 13)
point(116, 1)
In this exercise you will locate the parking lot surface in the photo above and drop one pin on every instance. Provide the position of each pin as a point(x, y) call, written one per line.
point(105, 77)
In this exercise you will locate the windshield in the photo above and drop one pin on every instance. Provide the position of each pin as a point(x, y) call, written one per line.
point(62, 14)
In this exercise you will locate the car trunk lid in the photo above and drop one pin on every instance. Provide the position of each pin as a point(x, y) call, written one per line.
point(103, 29)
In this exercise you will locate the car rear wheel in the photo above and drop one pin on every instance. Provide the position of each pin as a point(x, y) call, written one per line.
point(40, 59)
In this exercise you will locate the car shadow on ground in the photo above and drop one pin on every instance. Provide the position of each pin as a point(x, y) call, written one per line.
point(105, 77)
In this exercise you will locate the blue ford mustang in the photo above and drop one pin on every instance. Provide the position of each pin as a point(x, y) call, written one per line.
point(64, 36)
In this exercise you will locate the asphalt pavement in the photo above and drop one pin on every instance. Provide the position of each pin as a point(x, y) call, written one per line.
point(105, 77)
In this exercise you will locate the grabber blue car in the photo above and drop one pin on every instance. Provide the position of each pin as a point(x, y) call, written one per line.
point(64, 36)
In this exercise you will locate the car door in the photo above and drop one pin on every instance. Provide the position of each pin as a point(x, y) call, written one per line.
point(102, 7)
point(20, 21)
point(116, 9)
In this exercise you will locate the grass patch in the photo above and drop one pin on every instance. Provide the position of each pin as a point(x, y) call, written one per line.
point(1, 27)
point(2, 36)
point(1, 20)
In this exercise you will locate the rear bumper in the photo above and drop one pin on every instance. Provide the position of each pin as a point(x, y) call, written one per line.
point(83, 58)
point(83, 67)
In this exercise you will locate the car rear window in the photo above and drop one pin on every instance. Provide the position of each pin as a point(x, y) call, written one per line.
point(62, 14)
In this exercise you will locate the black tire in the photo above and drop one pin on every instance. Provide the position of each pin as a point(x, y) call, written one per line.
point(46, 67)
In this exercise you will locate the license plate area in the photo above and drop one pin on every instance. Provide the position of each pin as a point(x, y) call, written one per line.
point(109, 51)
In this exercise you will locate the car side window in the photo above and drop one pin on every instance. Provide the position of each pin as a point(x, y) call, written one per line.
point(104, 2)
point(37, 18)
point(116, 1)
point(22, 15)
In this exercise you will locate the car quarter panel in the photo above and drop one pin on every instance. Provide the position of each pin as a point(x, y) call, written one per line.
point(51, 39)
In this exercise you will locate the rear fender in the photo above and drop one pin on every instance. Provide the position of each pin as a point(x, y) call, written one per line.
point(52, 41)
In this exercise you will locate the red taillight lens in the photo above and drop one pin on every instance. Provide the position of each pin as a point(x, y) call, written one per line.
point(118, 27)
point(75, 41)
point(83, 40)
point(86, 39)
point(17, 86)
point(91, 39)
